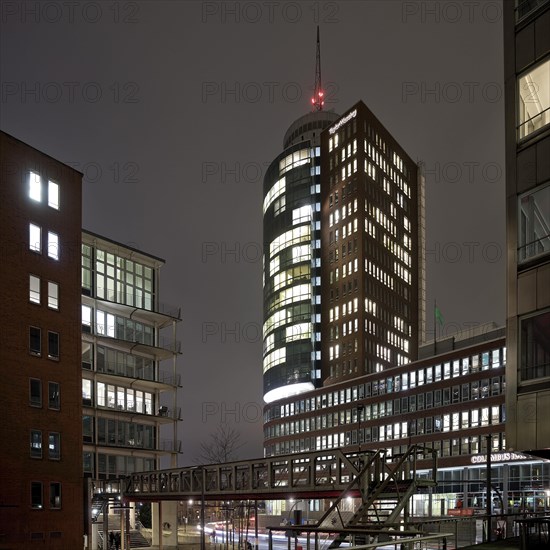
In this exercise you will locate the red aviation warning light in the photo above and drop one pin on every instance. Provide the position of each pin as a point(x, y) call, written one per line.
point(318, 99)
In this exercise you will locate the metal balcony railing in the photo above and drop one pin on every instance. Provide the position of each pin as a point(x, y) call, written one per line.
point(140, 373)
point(137, 300)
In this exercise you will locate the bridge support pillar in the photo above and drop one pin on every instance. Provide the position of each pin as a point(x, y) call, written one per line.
point(155, 524)
point(164, 516)
point(94, 536)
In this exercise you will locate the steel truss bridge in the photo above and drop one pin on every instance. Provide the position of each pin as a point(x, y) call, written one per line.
point(383, 482)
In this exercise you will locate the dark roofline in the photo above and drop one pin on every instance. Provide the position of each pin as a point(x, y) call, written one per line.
point(41, 152)
point(122, 245)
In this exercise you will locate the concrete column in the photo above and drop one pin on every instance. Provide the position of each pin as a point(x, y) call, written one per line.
point(164, 516)
point(170, 522)
point(94, 536)
point(155, 524)
point(132, 515)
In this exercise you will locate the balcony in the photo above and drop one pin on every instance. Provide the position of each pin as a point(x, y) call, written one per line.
point(164, 446)
point(161, 313)
point(163, 349)
point(162, 415)
point(163, 378)
point(170, 445)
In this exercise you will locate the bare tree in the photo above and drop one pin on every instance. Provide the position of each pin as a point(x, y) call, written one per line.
point(222, 446)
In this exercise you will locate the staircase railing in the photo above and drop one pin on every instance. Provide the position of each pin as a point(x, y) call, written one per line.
point(384, 483)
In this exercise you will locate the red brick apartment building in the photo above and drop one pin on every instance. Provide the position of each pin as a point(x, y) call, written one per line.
point(41, 502)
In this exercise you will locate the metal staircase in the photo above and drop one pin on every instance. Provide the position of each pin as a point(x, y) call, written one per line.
point(100, 502)
point(385, 485)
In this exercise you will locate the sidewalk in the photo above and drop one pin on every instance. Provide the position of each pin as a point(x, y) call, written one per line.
point(506, 544)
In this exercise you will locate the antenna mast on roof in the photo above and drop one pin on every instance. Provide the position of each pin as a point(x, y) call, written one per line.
point(318, 99)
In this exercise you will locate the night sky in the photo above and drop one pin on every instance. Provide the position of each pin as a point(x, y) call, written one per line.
point(173, 110)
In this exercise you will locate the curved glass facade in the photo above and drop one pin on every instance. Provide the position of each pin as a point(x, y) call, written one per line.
point(292, 292)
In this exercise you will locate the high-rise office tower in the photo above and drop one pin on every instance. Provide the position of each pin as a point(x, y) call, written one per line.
point(527, 112)
point(371, 249)
point(292, 261)
point(343, 253)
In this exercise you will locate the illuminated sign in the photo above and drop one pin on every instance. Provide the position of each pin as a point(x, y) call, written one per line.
point(341, 122)
point(498, 457)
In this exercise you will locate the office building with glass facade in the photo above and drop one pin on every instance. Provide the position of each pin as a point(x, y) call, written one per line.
point(292, 261)
point(451, 402)
point(527, 119)
point(129, 370)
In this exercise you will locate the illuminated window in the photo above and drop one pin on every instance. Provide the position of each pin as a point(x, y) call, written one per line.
point(54, 446)
point(289, 238)
point(35, 238)
point(301, 215)
point(86, 392)
point(300, 331)
point(53, 245)
point(34, 289)
point(53, 295)
point(274, 266)
point(35, 187)
point(277, 190)
point(87, 316)
point(53, 195)
point(36, 444)
point(105, 323)
point(293, 160)
point(534, 99)
point(274, 358)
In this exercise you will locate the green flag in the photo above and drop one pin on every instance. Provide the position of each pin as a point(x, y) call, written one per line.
point(438, 316)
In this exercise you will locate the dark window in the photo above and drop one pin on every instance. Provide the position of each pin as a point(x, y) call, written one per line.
point(35, 340)
point(53, 395)
point(36, 495)
point(535, 347)
point(429, 400)
point(55, 495)
point(53, 345)
point(87, 429)
point(35, 392)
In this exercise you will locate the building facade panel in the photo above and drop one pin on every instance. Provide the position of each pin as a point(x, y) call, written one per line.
point(527, 113)
point(370, 249)
point(41, 472)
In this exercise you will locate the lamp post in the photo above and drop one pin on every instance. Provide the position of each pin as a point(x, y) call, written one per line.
point(489, 498)
point(203, 481)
